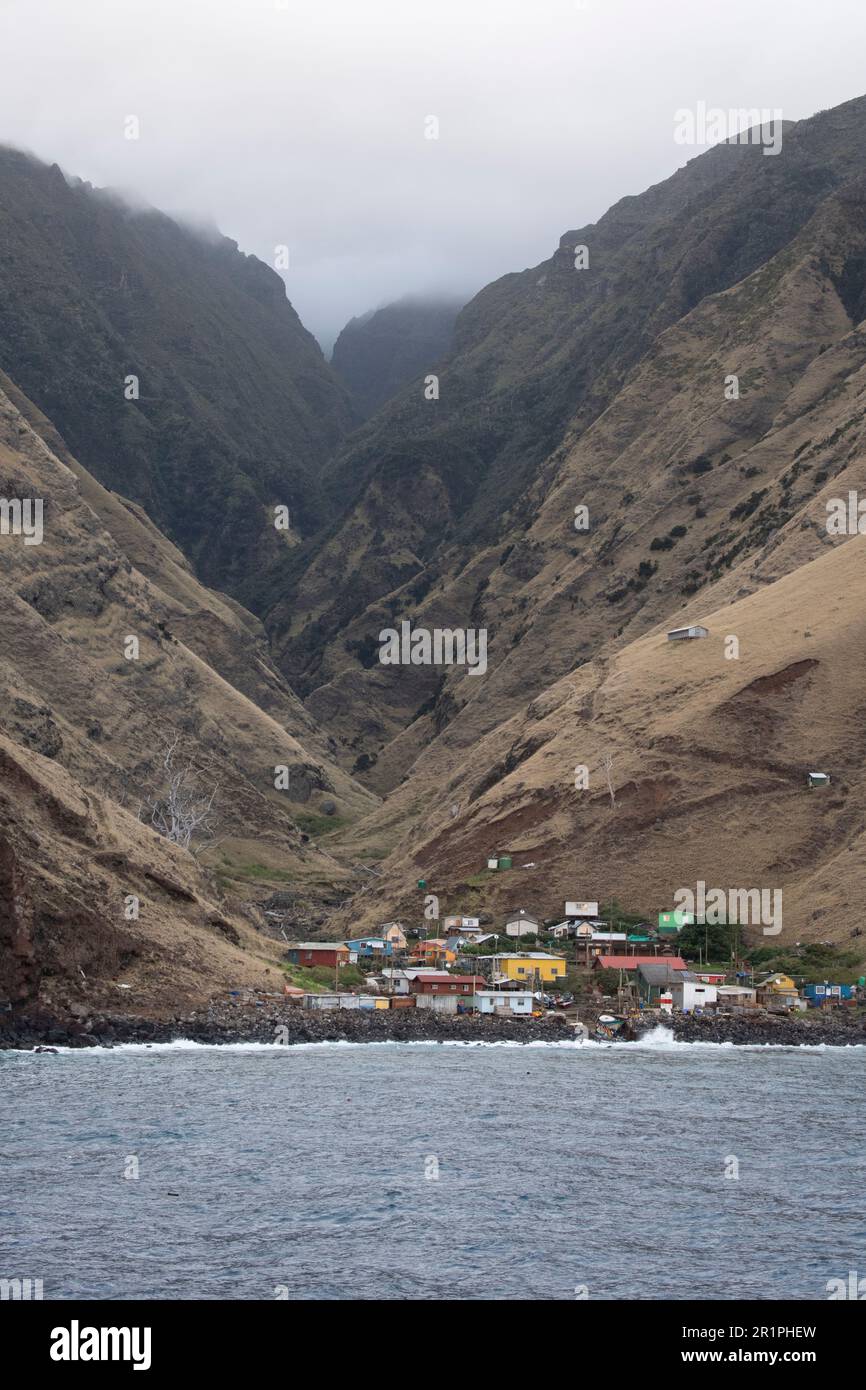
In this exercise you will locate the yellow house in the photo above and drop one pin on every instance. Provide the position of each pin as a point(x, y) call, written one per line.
point(778, 983)
point(527, 966)
point(778, 991)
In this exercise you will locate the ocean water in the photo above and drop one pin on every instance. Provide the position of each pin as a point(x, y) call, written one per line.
point(424, 1171)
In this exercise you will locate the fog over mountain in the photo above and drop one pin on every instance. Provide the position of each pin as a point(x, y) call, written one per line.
point(305, 126)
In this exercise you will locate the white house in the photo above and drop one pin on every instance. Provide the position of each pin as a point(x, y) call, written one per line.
point(684, 634)
point(688, 994)
point(586, 909)
point(521, 923)
point(491, 1001)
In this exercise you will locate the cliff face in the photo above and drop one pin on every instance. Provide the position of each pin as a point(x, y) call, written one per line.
point(233, 409)
point(378, 354)
point(112, 654)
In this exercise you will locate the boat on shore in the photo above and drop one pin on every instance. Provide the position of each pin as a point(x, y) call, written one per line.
point(610, 1027)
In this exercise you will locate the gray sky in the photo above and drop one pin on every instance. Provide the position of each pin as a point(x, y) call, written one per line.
point(304, 123)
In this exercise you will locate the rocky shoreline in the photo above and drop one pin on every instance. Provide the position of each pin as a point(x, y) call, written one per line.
point(276, 1023)
point(225, 1023)
point(836, 1028)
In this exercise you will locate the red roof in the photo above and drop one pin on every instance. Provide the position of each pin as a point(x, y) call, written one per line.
point(632, 962)
point(449, 979)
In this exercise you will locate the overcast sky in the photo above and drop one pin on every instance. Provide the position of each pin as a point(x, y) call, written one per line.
point(304, 123)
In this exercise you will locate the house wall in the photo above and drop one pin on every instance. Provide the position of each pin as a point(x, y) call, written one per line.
point(741, 997)
point(439, 1003)
point(689, 995)
point(521, 968)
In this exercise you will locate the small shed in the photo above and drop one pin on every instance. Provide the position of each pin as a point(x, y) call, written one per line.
point(684, 634)
point(318, 953)
point(818, 779)
point(343, 1001)
point(689, 993)
point(442, 992)
point(658, 977)
point(735, 996)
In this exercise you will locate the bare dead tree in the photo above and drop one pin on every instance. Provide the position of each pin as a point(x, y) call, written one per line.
point(180, 808)
point(607, 769)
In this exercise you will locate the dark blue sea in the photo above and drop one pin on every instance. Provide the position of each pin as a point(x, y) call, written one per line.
point(431, 1171)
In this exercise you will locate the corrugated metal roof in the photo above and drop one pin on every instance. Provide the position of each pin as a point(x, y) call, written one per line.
point(632, 962)
point(317, 946)
point(661, 973)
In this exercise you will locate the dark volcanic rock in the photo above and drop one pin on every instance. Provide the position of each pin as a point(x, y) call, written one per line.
point(277, 1022)
point(838, 1028)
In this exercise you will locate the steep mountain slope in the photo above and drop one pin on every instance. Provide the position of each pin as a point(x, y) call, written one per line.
point(86, 720)
point(682, 485)
point(709, 761)
point(441, 525)
point(237, 409)
point(380, 352)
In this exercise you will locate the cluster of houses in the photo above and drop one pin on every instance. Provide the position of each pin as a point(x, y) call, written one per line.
point(425, 973)
point(669, 984)
point(411, 971)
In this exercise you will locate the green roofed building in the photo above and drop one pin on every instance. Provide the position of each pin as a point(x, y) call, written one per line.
point(672, 922)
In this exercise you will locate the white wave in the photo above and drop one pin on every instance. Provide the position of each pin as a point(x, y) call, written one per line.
point(659, 1040)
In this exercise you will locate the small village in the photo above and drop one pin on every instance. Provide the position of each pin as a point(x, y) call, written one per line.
point(598, 974)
